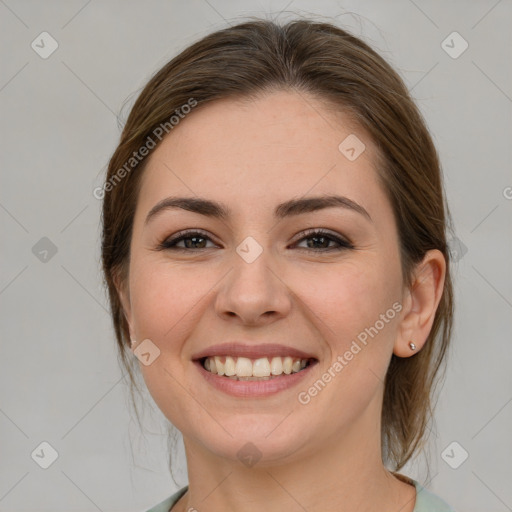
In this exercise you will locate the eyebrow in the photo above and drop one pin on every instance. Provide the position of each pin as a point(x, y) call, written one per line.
point(289, 208)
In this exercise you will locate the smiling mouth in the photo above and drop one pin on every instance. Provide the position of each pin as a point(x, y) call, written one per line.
point(264, 368)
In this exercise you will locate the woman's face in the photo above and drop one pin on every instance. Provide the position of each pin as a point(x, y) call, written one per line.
point(257, 278)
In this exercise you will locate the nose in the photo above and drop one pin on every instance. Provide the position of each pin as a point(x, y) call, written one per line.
point(253, 293)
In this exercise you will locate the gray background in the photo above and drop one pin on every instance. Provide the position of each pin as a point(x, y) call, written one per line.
point(60, 381)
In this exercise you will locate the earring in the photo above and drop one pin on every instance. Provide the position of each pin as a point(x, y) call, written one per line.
point(412, 345)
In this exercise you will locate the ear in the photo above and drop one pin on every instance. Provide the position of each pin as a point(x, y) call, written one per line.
point(124, 297)
point(420, 303)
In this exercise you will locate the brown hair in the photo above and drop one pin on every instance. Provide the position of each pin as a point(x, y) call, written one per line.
point(323, 60)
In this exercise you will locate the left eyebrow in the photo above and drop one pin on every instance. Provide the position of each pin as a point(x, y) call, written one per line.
point(289, 208)
point(312, 204)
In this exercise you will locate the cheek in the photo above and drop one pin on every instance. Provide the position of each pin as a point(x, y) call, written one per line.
point(163, 300)
point(359, 324)
point(349, 303)
point(350, 298)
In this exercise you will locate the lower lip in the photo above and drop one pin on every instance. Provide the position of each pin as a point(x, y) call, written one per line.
point(254, 388)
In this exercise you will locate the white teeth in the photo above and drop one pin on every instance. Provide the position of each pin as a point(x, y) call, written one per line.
point(219, 365)
point(276, 366)
point(229, 366)
point(260, 367)
point(243, 368)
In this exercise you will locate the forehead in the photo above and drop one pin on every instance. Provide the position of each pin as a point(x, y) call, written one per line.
point(272, 147)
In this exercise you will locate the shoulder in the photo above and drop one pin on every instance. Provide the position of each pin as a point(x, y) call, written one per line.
point(427, 501)
point(165, 506)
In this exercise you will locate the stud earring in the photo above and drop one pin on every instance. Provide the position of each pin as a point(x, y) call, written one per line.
point(412, 345)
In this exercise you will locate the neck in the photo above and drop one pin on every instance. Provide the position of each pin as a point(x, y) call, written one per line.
point(344, 473)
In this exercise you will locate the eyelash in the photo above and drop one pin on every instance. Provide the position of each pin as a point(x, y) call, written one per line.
point(170, 243)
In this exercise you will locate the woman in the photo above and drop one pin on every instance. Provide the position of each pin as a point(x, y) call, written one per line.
point(275, 254)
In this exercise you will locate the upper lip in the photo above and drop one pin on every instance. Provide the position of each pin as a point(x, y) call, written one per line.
point(252, 351)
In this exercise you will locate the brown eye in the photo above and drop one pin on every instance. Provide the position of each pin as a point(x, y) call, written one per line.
point(321, 240)
point(194, 240)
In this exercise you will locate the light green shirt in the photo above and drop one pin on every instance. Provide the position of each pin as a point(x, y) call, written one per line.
point(426, 501)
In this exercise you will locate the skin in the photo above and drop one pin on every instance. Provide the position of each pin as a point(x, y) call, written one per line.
point(252, 155)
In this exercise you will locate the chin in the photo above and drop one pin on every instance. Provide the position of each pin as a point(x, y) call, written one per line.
point(256, 440)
